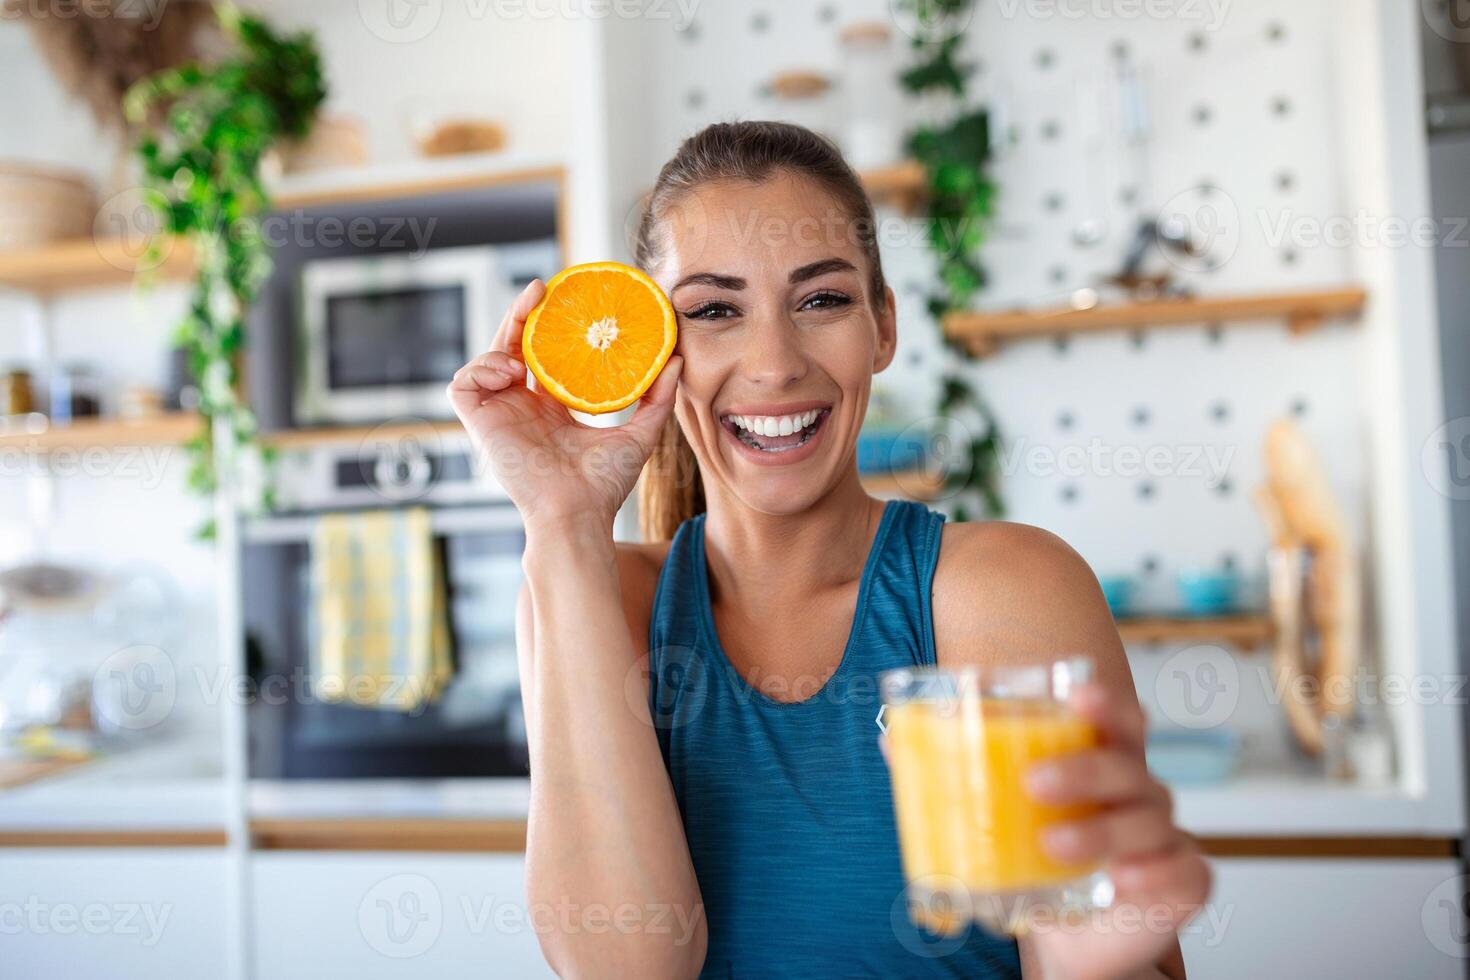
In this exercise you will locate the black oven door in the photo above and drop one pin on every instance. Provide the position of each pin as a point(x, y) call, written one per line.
point(474, 728)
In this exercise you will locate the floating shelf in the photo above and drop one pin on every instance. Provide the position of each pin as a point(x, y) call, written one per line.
point(982, 332)
point(292, 439)
point(168, 429)
point(88, 263)
point(85, 263)
point(1246, 631)
point(416, 179)
point(902, 185)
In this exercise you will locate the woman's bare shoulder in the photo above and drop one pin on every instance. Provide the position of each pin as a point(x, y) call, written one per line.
point(1013, 592)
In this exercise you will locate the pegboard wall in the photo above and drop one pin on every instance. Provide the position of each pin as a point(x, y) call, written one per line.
point(1140, 448)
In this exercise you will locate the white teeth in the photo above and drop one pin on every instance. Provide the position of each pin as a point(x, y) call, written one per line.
point(775, 425)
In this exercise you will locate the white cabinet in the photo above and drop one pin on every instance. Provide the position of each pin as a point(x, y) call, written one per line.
point(380, 915)
point(1331, 919)
point(111, 914)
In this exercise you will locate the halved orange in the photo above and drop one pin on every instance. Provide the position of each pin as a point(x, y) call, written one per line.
point(600, 336)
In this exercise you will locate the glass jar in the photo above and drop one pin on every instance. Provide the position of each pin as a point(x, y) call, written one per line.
point(872, 135)
point(17, 397)
point(804, 98)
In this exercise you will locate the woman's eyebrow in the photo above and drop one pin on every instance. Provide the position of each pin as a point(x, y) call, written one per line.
point(820, 268)
point(711, 279)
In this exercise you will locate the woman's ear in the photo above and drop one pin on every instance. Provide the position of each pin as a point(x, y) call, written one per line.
point(887, 331)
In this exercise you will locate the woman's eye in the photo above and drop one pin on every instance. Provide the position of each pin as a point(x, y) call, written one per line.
point(825, 301)
point(710, 311)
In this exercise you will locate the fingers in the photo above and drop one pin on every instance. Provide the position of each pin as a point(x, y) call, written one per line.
point(1117, 834)
point(1096, 776)
point(1179, 877)
point(655, 405)
point(488, 373)
point(508, 337)
point(1120, 722)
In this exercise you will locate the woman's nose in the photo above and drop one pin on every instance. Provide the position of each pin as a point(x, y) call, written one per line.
point(774, 354)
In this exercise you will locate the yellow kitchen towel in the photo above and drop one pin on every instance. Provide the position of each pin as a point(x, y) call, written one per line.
point(382, 637)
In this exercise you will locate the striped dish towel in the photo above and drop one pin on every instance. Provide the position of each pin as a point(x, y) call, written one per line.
point(382, 637)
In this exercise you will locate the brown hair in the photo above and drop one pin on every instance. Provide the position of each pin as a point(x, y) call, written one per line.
point(671, 490)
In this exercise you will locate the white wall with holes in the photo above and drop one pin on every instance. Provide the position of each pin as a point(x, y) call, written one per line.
point(1240, 134)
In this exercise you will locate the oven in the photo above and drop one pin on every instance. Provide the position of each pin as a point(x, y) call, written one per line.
point(475, 727)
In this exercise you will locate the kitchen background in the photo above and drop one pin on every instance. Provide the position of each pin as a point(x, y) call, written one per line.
point(1305, 166)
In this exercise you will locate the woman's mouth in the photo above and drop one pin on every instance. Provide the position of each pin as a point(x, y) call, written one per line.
point(774, 435)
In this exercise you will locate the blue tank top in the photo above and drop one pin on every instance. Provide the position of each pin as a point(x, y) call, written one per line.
point(787, 807)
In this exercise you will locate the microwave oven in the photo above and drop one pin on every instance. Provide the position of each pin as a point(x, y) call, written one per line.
point(380, 336)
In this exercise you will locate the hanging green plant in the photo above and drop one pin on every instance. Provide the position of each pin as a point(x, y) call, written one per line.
point(202, 166)
point(954, 152)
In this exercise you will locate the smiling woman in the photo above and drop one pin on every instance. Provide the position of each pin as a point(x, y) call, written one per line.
point(701, 707)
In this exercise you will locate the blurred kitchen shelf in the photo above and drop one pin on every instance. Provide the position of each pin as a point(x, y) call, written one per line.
point(168, 429)
point(1246, 631)
point(910, 485)
point(86, 263)
point(340, 435)
point(413, 178)
point(1303, 311)
point(902, 185)
point(1448, 113)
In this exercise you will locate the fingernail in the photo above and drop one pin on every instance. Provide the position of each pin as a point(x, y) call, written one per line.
point(1044, 780)
point(516, 367)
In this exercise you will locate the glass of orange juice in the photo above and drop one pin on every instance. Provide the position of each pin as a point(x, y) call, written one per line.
point(960, 743)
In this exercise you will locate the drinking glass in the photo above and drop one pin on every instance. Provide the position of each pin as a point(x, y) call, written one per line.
point(960, 743)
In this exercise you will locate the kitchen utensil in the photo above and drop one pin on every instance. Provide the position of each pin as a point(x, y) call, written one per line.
point(1315, 587)
point(59, 623)
point(1118, 591)
point(1206, 593)
point(1188, 757)
point(17, 396)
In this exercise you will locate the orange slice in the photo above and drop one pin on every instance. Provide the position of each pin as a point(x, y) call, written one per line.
point(600, 336)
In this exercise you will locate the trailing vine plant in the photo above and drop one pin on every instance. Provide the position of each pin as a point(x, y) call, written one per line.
point(954, 151)
point(206, 129)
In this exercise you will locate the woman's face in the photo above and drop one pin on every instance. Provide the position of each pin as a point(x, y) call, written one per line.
point(779, 336)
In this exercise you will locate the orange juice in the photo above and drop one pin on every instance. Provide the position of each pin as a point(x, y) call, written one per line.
point(963, 811)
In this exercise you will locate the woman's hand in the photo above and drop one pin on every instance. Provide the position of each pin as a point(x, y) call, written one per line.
point(553, 467)
point(1160, 876)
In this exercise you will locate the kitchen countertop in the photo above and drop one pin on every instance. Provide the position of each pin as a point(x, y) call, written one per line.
point(170, 787)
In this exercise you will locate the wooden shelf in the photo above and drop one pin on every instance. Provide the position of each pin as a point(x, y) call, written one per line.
point(1246, 631)
point(85, 263)
point(902, 185)
point(311, 438)
point(168, 429)
point(981, 332)
point(88, 263)
point(416, 179)
point(910, 485)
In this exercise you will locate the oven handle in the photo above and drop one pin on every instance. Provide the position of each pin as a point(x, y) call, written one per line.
point(449, 520)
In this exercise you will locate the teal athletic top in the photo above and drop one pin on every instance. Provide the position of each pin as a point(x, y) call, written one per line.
point(787, 807)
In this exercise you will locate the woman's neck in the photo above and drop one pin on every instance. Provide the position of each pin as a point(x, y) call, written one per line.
point(776, 559)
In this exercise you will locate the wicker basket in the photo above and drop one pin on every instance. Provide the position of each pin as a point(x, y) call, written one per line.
point(334, 143)
point(39, 205)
